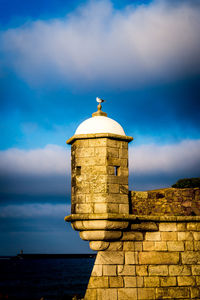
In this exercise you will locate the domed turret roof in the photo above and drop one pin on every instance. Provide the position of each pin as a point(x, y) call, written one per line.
point(100, 123)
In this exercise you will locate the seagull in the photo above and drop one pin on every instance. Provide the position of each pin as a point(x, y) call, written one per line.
point(100, 100)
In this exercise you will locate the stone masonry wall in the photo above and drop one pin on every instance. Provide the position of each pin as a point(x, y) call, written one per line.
point(170, 201)
point(154, 259)
point(97, 186)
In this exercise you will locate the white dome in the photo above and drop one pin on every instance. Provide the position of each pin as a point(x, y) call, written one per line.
point(100, 124)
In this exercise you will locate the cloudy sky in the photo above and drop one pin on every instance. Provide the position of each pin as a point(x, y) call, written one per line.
point(55, 58)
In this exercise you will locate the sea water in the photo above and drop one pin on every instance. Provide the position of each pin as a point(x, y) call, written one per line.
point(48, 279)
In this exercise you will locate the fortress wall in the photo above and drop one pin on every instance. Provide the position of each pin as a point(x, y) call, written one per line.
point(170, 201)
point(156, 258)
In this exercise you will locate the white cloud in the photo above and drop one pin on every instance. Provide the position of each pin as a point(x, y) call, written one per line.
point(34, 210)
point(143, 159)
point(180, 158)
point(51, 160)
point(136, 45)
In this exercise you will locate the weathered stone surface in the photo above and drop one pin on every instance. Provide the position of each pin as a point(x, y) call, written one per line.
point(196, 270)
point(148, 246)
point(146, 293)
point(115, 246)
point(126, 270)
point(153, 236)
point(168, 281)
point(169, 236)
point(186, 280)
point(142, 270)
point(158, 258)
point(179, 270)
point(130, 281)
point(160, 246)
point(127, 293)
point(100, 235)
point(190, 258)
point(97, 270)
point(109, 270)
point(131, 258)
point(110, 258)
point(116, 282)
point(151, 281)
point(99, 245)
point(175, 246)
point(91, 294)
point(144, 226)
point(98, 282)
point(173, 293)
point(167, 227)
point(132, 236)
point(107, 294)
point(161, 270)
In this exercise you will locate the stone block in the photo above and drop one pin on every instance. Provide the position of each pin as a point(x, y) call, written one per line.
point(173, 293)
point(124, 208)
point(191, 226)
point(169, 236)
point(186, 280)
point(179, 270)
point(81, 143)
point(141, 270)
point(144, 226)
point(175, 246)
point(198, 280)
point(189, 245)
point(185, 236)
point(99, 245)
point(100, 235)
point(127, 293)
point(123, 153)
point(126, 270)
point(109, 270)
point(132, 246)
point(132, 236)
point(84, 208)
point(123, 189)
point(96, 188)
point(106, 294)
point(130, 281)
point(146, 293)
point(113, 188)
point(117, 198)
point(197, 245)
point(161, 270)
point(98, 142)
point(151, 281)
point(131, 258)
point(110, 258)
point(97, 270)
point(158, 258)
point(115, 246)
point(181, 226)
point(160, 246)
point(196, 236)
point(116, 282)
point(196, 270)
point(113, 152)
point(167, 227)
point(148, 246)
point(195, 292)
point(100, 151)
point(153, 236)
point(98, 282)
point(113, 143)
point(91, 294)
point(190, 258)
point(84, 152)
point(168, 281)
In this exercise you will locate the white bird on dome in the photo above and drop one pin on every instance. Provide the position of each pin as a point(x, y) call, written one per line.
point(99, 100)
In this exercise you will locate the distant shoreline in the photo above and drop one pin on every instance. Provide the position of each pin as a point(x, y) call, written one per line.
point(40, 255)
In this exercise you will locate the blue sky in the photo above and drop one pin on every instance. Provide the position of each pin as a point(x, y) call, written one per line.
point(55, 58)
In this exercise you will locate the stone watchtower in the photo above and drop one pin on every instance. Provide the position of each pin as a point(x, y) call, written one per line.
point(99, 170)
point(147, 256)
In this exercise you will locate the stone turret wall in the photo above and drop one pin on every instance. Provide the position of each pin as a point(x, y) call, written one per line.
point(170, 201)
point(153, 259)
point(99, 175)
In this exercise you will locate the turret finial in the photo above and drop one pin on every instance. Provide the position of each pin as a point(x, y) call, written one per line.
point(99, 112)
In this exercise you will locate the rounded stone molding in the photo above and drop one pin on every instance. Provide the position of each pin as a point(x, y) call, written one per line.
point(100, 235)
point(99, 245)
